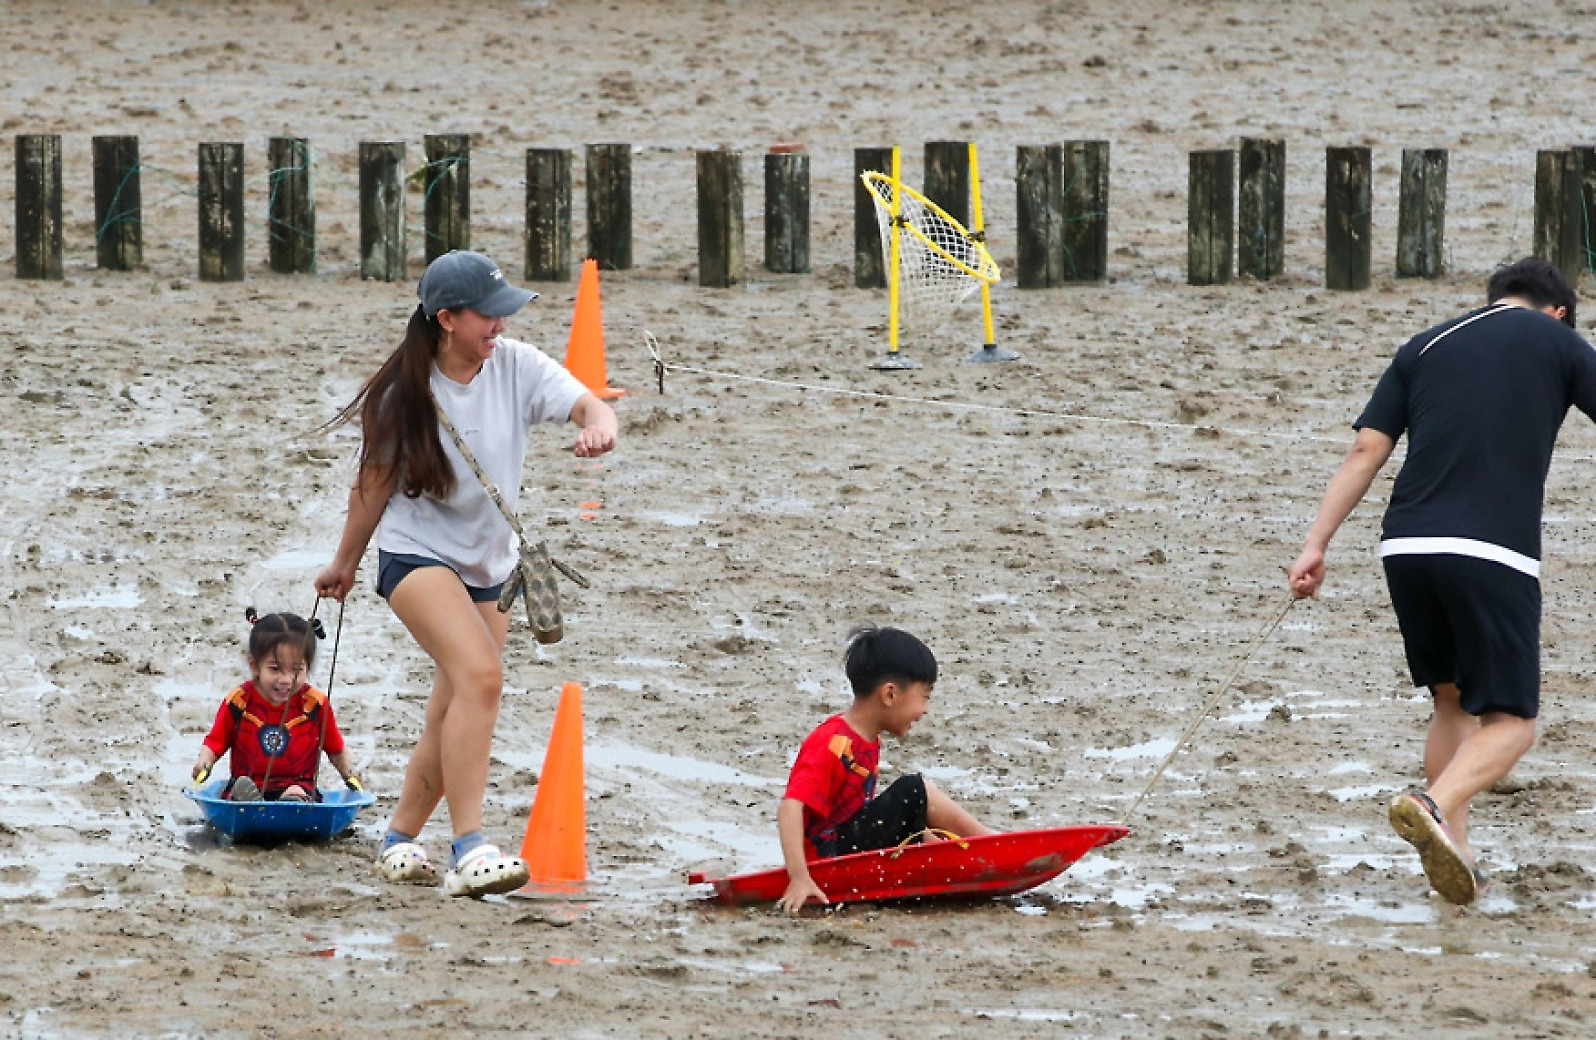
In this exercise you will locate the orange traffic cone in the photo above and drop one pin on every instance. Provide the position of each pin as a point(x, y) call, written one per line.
point(555, 846)
point(584, 353)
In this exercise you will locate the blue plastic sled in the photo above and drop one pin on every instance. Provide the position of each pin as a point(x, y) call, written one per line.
point(267, 822)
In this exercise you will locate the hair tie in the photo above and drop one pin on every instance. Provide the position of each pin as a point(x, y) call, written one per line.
point(250, 615)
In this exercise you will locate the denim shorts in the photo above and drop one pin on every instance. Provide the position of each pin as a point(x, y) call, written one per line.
point(392, 568)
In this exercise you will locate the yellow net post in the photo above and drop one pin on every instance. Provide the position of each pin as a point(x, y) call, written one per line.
point(991, 351)
point(894, 358)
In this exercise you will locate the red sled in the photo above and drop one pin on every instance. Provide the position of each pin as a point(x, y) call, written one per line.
point(955, 868)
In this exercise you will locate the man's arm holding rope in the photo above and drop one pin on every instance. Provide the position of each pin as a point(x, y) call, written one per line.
point(1368, 454)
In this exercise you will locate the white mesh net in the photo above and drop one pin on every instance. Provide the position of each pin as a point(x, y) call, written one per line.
point(940, 264)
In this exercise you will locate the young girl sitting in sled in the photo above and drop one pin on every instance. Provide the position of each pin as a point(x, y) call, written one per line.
point(274, 722)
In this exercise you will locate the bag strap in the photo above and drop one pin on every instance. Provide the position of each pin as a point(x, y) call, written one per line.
point(471, 460)
point(493, 493)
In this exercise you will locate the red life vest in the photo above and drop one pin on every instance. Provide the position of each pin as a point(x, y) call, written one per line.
point(286, 742)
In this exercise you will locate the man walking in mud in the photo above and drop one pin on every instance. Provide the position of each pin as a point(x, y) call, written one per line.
point(1481, 398)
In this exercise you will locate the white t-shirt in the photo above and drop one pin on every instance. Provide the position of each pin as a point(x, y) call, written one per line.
point(519, 385)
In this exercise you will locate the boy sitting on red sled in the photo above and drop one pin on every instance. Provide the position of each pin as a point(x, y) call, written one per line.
point(830, 807)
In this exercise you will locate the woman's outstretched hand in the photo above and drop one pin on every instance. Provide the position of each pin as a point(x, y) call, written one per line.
point(599, 426)
point(594, 441)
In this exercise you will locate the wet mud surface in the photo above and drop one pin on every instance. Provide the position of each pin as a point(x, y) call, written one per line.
point(1090, 538)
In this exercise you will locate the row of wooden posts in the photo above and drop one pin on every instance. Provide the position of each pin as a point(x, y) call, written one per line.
point(1061, 209)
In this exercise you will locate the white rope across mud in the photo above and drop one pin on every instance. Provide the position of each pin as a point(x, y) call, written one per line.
point(661, 366)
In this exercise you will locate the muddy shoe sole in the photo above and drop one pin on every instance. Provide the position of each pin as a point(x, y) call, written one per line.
point(1414, 818)
point(484, 872)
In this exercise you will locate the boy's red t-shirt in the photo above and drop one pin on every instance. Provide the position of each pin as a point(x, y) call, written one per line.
point(833, 776)
point(245, 714)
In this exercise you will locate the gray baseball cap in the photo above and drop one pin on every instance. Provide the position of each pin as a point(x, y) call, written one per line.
point(461, 278)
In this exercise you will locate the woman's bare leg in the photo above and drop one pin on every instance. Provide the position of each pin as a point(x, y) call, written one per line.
point(465, 641)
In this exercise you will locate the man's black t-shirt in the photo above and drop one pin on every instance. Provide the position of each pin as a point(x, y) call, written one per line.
point(1481, 399)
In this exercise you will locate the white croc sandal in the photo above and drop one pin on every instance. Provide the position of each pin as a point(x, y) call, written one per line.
point(484, 871)
point(405, 863)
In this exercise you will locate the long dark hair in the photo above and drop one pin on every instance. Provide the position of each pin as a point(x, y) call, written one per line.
point(398, 428)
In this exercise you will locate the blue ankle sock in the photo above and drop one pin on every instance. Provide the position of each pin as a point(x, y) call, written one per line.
point(393, 838)
point(464, 844)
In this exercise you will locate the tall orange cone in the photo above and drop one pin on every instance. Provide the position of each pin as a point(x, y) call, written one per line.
point(584, 353)
point(555, 846)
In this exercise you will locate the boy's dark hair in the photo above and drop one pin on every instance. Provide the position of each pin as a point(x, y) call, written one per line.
point(270, 631)
point(1537, 281)
point(877, 655)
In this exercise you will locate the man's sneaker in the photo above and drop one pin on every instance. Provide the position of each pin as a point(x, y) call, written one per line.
point(483, 871)
point(244, 790)
point(405, 863)
point(1416, 819)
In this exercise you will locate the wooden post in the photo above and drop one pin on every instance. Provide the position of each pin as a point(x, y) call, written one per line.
point(609, 205)
point(38, 227)
point(869, 268)
point(720, 218)
point(1347, 177)
point(787, 212)
point(382, 210)
point(1548, 202)
point(1210, 216)
point(1261, 234)
point(1421, 214)
point(1585, 161)
point(446, 207)
point(1084, 176)
point(290, 206)
point(1559, 216)
point(221, 211)
point(118, 205)
point(548, 214)
point(947, 178)
point(1039, 215)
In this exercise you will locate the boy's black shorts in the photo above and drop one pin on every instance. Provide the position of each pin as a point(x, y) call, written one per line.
point(1473, 622)
point(888, 819)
